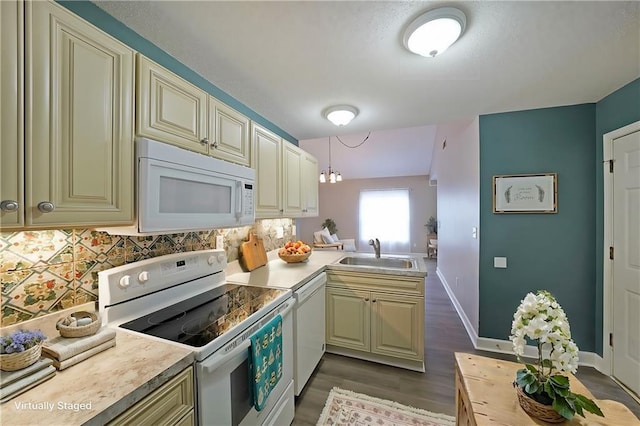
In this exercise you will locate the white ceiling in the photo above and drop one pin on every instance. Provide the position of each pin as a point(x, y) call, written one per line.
point(289, 60)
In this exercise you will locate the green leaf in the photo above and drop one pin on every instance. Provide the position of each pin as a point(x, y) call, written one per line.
point(532, 388)
point(562, 407)
point(524, 378)
point(560, 381)
point(547, 363)
point(588, 405)
point(531, 368)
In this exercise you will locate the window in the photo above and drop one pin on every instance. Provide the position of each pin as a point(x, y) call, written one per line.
point(384, 214)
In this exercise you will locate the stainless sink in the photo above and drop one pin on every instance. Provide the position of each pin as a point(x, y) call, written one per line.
point(381, 262)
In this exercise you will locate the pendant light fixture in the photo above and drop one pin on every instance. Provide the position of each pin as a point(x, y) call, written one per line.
point(333, 175)
point(433, 32)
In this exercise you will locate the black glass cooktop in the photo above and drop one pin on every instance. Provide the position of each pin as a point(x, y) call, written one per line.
point(200, 319)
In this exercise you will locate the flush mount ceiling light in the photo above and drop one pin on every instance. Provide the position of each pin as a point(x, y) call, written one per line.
point(433, 32)
point(340, 115)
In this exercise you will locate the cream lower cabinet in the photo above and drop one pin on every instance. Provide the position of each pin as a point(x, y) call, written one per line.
point(78, 156)
point(170, 404)
point(377, 314)
point(172, 110)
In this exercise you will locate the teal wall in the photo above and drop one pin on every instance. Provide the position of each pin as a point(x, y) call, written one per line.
point(98, 17)
point(544, 251)
point(620, 108)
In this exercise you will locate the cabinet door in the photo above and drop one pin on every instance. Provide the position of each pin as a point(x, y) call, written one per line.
point(348, 318)
point(291, 180)
point(268, 164)
point(309, 185)
point(228, 133)
point(79, 121)
point(12, 114)
point(170, 109)
point(397, 326)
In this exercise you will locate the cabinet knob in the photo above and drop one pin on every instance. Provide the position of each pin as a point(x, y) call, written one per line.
point(46, 206)
point(204, 141)
point(366, 299)
point(374, 300)
point(9, 206)
point(214, 144)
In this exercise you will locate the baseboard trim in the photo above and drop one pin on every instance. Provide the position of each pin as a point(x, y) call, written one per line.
point(473, 333)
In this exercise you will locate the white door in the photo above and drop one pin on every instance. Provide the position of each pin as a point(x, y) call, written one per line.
point(626, 263)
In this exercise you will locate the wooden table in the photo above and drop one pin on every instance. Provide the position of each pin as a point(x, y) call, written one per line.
point(485, 396)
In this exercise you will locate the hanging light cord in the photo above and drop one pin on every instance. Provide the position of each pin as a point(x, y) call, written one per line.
point(348, 146)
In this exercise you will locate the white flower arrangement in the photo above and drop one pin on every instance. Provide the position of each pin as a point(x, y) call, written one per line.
point(541, 319)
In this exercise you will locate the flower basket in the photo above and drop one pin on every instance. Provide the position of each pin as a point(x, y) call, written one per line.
point(80, 331)
point(546, 413)
point(19, 360)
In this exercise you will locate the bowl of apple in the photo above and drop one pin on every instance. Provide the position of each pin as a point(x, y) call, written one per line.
point(295, 251)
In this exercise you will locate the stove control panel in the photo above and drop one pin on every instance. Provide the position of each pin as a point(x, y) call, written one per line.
point(137, 279)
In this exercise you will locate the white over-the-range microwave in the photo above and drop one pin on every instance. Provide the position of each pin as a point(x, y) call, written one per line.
point(179, 191)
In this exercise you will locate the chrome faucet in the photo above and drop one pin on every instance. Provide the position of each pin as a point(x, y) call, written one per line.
point(376, 247)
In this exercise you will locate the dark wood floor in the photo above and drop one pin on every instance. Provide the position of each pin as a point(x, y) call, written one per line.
point(432, 390)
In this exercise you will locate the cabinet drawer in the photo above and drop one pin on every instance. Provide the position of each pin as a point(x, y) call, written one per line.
point(377, 282)
point(167, 405)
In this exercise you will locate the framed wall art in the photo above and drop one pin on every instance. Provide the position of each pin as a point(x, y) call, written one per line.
point(533, 193)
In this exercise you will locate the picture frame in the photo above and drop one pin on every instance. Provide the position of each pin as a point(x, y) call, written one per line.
point(525, 193)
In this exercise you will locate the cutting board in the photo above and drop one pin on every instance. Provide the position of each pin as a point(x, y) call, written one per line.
point(253, 253)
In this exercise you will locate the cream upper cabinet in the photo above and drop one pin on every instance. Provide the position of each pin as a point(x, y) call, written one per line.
point(170, 109)
point(292, 183)
point(79, 121)
point(267, 160)
point(228, 133)
point(11, 114)
point(309, 185)
point(378, 315)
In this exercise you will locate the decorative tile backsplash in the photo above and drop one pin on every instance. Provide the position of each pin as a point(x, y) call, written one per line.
point(45, 271)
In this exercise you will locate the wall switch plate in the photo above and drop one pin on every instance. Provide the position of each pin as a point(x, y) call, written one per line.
point(499, 262)
point(474, 232)
point(279, 232)
point(293, 230)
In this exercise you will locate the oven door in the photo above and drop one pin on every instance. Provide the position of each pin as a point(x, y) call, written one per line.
point(223, 381)
point(177, 197)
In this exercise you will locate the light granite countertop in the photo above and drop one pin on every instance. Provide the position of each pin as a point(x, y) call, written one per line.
point(98, 389)
point(277, 273)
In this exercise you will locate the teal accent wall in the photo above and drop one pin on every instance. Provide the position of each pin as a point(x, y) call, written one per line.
point(617, 110)
point(107, 23)
point(544, 251)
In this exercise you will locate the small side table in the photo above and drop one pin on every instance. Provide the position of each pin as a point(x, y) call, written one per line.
point(485, 396)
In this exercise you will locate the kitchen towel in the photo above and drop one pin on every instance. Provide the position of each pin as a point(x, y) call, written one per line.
point(62, 364)
point(62, 348)
point(266, 360)
point(25, 383)
point(8, 377)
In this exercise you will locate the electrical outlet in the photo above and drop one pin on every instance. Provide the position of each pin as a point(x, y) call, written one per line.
point(457, 281)
point(279, 232)
point(499, 262)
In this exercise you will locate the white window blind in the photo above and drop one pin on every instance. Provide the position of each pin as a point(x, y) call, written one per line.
point(385, 214)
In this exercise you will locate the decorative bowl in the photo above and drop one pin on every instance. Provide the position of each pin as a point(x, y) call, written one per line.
point(80, 331)
point(19, 360)
point(294, 258)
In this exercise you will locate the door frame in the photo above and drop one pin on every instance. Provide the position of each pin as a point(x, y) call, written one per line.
point(607, 265)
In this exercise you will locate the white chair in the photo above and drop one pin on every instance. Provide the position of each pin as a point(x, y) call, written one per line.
point(432, 247)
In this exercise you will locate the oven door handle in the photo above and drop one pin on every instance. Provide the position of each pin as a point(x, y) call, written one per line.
point(217, 359)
